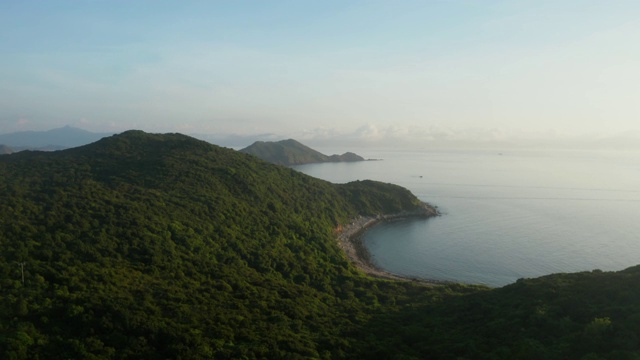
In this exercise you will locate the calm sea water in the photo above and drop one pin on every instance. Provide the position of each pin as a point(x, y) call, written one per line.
point(505, 215)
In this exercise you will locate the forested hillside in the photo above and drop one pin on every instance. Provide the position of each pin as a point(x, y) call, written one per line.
point(162, 246)
point(143, 246)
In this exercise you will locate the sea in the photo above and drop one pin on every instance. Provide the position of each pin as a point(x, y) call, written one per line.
point(505, 214)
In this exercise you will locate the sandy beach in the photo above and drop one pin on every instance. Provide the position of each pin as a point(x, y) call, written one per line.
point(351, 242)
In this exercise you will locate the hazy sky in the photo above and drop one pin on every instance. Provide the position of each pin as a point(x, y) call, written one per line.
point(327, 67)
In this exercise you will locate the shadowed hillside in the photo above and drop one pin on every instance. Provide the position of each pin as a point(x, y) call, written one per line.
point(587, 315)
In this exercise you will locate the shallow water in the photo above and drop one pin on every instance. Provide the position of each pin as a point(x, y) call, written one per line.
point(506, 215)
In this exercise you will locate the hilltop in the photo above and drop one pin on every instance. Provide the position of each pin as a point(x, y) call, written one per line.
point(291, 152)
point(149, 246)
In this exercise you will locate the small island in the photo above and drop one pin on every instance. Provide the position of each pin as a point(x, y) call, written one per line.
point(291, 152)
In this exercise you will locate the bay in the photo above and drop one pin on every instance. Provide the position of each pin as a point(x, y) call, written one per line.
point(505, 214)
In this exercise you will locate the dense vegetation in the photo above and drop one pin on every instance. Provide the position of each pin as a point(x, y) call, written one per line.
point(588, 315)
point(150, 246)
point(290, 152)
point(145, 246)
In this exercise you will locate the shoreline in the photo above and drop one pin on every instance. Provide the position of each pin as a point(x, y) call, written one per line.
point(350, 241)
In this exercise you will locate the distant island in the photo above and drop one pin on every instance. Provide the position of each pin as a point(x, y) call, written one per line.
point(291, 152)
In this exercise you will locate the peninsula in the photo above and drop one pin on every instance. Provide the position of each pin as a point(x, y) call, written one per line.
point(291, 152)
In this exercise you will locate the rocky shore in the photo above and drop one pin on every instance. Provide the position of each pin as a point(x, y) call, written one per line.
point(350, 240)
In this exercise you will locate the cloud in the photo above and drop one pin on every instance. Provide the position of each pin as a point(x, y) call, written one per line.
point(369, 132)
point(82, 123)
point(418, 136)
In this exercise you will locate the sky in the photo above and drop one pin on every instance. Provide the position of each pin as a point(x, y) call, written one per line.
point(369, 69)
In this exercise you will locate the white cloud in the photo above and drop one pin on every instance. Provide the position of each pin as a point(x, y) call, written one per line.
point(417, 136)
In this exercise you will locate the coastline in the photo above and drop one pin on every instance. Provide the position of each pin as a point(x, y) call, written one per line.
point(351, 242)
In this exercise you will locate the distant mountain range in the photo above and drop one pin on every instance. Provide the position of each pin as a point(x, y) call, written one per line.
point(5, 150)
point(291, 152)
point(55, 139)
point(69, 137)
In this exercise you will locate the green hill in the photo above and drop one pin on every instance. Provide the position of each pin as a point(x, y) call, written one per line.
point(143, 246)
point(290, 152)
point(162, 246)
